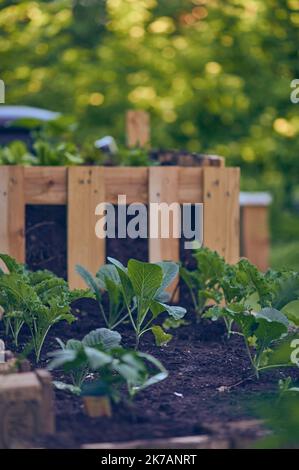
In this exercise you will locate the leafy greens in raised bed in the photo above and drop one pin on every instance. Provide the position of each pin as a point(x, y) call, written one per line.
point(35, 299)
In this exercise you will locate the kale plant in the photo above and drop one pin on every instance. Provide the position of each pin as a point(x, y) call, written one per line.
point(204, 282)
point(35, 299)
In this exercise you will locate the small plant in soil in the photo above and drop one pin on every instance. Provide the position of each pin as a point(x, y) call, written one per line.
point(262, 331)
point(203, 282)
point(106, 281)
point(281, 417)
point(101, 339)
point(108, 366)
point(37, 300)
point(264, 307)
point(144, 291)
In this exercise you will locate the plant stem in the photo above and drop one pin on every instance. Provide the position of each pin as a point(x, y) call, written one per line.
point(255, 369)
point(119, 321)
point(273, 366)
point(103, 314)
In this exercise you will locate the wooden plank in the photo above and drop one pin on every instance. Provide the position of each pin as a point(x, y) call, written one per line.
point(221, 211)
point(133, 182)
point(163, 188)
point(85, 191)
point(188, 442)
point(45, 185)
point(12, 211)
point(137, 128)
point(26, 407)
point(255, 235)
point(190, 188)
point(48, 185)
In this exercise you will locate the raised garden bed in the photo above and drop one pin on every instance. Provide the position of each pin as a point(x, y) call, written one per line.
point(204, 375)
point(83, 188)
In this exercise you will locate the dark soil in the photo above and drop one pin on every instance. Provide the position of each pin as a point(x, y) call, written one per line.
point(46, 236)
point(189, 402)
point(200, 361)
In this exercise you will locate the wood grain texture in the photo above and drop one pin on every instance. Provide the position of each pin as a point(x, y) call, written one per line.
point(255, 235)
point(163, 188)
point(26, 407)
point(45, 185)
point(48, 185)
point(86, 190)
point(12, 212)
point(133, 182)
point(190, 185)
point(137, 128)
point(221, 211)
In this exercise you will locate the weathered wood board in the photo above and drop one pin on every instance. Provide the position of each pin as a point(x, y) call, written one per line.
point(26, 407)
point(12, 211)
point(86, 190)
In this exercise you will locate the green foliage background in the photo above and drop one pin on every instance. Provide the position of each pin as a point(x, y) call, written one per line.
point(215, 76)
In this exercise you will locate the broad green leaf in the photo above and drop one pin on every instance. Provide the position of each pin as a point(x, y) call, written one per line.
point(161, 337)
point(107, 272)
point(175, 311)
point(170, 271)
point(291, 311)
point(102, 338)
point(287, 291)
point(252, 302)
point(146, 278)
point(214, 313)
point(267, 326)
point(62, 357)
point(272, 315)
point(127, 288)
point(117, 264)
point(67, 387)
point(73, 344)
point(283, 352)
point(96, 359)
point(91, 281)
point(171, 323)
point(161, 375)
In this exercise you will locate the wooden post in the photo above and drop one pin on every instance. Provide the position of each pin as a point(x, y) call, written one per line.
point(255, 237)
point(86, 189)
point(12, 212)
point(163, 188)
point(138, 128)
point(221, 211)
point(26, 408)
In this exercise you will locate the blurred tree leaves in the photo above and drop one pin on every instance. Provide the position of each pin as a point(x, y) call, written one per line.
point(214, 75)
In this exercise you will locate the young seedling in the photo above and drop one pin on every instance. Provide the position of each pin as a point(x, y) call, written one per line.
point(106, 281)
point(100, 356)
point(203, 282)
point(101, 339)
point(144, 292)
point(261, 331)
